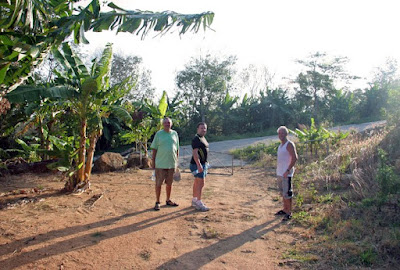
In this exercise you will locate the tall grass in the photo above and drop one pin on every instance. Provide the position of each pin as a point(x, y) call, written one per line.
point(347, 203)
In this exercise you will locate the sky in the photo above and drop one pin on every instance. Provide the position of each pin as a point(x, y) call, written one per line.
point(266, 33)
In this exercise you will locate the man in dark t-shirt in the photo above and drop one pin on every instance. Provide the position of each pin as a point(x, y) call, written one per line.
point(199, 165)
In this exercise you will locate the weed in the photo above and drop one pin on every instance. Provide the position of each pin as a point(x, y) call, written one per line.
point(302, 217)
point(145, 255)
point(368, 257)
point(344, 164)
point(389, 182)
point(255, 152)
point(298, 255)
point(299, 200)
point(210, 233)
point(325, 223)
point(313, 193)
point(328, 198)
point(368, 202)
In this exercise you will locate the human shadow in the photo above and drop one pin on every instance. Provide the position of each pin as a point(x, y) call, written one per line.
point(81, 241)
point(202, 256)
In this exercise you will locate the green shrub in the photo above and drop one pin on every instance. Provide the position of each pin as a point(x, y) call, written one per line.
point(254, 152)
point(368, 256)
point(388, 181)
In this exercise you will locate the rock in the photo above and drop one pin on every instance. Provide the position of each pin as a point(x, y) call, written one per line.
point(134, 160)
point(109, 162)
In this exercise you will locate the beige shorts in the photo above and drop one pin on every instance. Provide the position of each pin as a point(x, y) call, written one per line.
point(285, 186)
point(164, 175)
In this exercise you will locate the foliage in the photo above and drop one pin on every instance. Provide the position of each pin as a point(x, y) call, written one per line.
point(130, 71)
point(393, 112)
point(148, 125)
point(204, 83)
point(254, 152)
point(317, 83)
point(351, 226)
point(315, 136)
point(389, 182)
point(30, 29)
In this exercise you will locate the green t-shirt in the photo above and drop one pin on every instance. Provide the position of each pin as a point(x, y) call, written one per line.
point(167, 146)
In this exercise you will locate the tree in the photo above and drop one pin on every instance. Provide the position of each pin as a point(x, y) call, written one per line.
point(88, 95)
point(139, 78)
point(376, 97)
point(318, 82)
point(254, 80)
point(204, 83)
point(223, 118)
point(96, 99)
point(341, 107)
point(30, 29)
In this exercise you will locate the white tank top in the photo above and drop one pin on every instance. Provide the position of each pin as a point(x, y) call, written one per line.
point(284, 160)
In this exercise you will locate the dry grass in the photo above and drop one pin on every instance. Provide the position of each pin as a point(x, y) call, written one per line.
point(339, 203)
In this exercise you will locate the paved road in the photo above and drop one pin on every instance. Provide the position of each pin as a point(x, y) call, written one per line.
point(219, 151)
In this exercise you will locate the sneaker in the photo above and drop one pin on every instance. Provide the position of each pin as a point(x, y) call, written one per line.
point(157, 206)
point(287, 217)
point(201, 206)
point(280, 213)
point(194, 203)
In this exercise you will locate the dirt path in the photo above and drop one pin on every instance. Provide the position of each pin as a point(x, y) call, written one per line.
point(120, 230)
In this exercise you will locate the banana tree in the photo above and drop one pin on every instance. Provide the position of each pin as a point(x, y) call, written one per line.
point(314, 136)
point(96, 100)
point(311, 136)
point(142, 132)
point(42, 106)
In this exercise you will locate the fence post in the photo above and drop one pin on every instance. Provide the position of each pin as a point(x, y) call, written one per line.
point(232, 164)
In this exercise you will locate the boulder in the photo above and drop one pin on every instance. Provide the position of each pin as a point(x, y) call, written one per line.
point(109, 162)
point(137, 161)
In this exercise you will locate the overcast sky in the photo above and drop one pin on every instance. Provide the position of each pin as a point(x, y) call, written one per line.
point(269, 33)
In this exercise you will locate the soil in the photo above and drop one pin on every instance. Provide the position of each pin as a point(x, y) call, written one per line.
point(114, 226)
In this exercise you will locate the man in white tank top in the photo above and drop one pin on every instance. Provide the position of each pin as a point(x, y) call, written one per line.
point(287, 157)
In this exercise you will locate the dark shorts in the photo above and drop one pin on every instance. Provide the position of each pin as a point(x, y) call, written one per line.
point(164, 175)
point(193, 169)
point(285, 187)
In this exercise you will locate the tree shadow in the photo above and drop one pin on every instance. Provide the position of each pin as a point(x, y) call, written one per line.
point(202, 256)
point(79, 242)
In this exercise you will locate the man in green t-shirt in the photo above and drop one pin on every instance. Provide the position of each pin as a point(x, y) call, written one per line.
point(165, 147)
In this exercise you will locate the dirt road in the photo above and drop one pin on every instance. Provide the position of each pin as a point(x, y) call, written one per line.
point(120, 230)
point(220, 157)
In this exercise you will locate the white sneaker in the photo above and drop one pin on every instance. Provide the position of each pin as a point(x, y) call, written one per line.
point(201, 206)
point(194, 203)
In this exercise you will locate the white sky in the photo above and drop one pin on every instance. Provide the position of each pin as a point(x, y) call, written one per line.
point(269, 33)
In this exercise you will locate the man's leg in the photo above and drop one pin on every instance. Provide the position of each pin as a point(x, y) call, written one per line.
point(169, 179)
point(168, 189)
point(159, 181)
point(158, 193)
point(287, 206)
